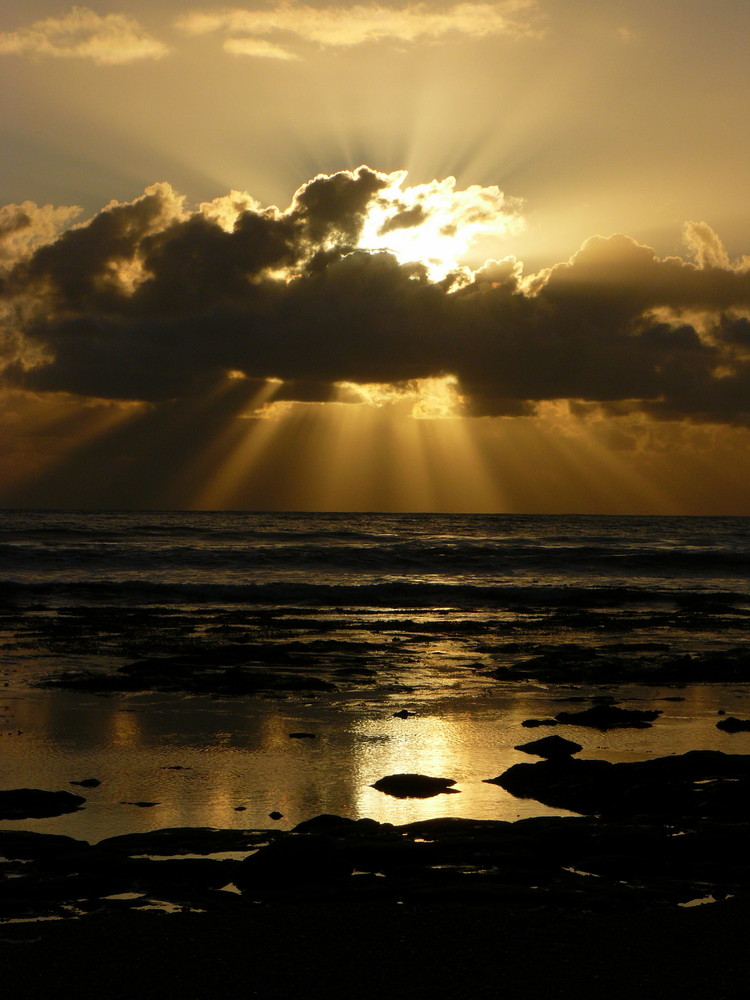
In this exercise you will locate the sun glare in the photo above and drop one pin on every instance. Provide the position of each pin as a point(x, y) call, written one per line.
point(434, 224)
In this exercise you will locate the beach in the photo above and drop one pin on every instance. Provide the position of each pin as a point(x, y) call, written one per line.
point(233, 690)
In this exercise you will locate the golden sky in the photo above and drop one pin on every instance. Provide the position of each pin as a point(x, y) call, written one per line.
point(385, 256)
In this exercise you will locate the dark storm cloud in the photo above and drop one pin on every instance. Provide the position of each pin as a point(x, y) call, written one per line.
point(150, 302)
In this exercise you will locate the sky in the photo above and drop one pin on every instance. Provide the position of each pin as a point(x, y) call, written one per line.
point(380, 256)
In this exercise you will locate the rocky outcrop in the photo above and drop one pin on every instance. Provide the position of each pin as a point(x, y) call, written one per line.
point(704, 784)
point(413, 786)
point(550, 747)
point(33, 803)
point(605, 717)
point(733, 725)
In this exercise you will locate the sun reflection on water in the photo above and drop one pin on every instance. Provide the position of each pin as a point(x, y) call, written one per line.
point(230, 764)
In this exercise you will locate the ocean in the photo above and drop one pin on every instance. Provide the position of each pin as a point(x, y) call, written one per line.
point(170, 655)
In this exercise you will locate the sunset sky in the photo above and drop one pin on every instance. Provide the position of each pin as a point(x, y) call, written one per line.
point(380, 256)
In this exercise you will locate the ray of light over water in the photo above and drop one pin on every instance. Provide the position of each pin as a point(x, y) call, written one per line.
point(394, 611)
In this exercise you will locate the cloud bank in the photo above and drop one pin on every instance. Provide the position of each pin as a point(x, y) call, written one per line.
point(83, 34)
point(152, 301)
point(246, 31)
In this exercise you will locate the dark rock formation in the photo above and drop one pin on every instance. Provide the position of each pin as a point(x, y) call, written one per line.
point(534, 723)
point(732, 725)
point(551, 747)
point(640, 662)
point(297, 860)
point(187, 840)
point(413, 786)
point(230, 670)
point(302, 736)
point(403, 714)
point(701, 783)
point(87, 783)
point(555, 863)
point(32, 803)
point(610, 717)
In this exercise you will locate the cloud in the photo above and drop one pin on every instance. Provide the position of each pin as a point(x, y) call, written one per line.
point(259, 48)
point(106, 39)
point(343, 27)
point(704, 245)
point(151, 301)
point(25, 227)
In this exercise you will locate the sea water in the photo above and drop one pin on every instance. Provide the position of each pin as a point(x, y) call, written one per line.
point(418, 608)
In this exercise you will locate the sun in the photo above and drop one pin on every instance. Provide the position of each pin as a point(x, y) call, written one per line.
point(435, 224)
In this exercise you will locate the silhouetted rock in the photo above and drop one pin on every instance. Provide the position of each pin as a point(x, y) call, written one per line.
point(533, 723)
point(231, 670)
point(701, 783)
point(328, 823)
point(732, 725)
point(403, 714)
point(551, 747)
point(610, 717)
point(413, 786)
point(275, 815)
point(26, 845)
point(87, 783)
point(648, 663)
point(32, 803)
point(302, 736)
point(297, 860)
point(187, 840)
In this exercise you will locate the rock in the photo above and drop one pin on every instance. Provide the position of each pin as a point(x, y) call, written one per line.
point(413, 786)
point(533, 723)
point(648, 663)
point(341, 826)
point(610, 717)
point(302, 736)
point(186, 840)
point(325, 823)
point(275, 815)
point(551, 747)
point(230, 670)
point(32, 803)
point(297, 860)
point(732, 725)
point(141, 805)
point(87, 783)
point(24, 845)
point(403, 714)
point(700, 783)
